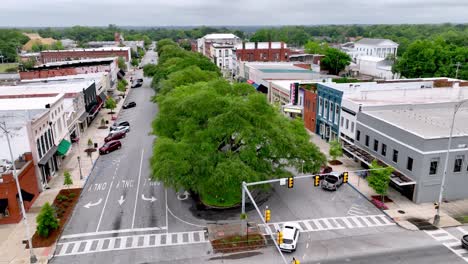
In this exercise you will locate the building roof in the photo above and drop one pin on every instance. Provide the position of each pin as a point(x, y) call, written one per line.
point(75, 62)
point(91, 49)
point(8, 104)
point(428, 121)
point(413, 95)
point(220, 36)
point(29, 89)
point(66, 79)
point(375, 41)
point(260, 45)
point(371, 58)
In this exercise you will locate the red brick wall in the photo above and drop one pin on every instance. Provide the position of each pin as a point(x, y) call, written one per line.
point(302, 65)
point(310, 109)
point(267, 54)
point(28, 183)
point(63, 55)
point(46, 73)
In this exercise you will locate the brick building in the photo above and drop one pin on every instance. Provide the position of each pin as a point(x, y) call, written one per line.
point(262, 51)
point(310, 106)
point(75, 67)
point(80, 54)
point(10, 211)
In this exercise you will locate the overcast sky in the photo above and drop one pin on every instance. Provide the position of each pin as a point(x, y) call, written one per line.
point(228, 12)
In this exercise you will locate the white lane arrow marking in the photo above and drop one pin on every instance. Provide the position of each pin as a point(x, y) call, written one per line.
point(122, 200)
point(152, 199)
point(88, 205)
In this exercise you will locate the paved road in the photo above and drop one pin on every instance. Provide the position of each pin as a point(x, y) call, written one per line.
point(122, 217)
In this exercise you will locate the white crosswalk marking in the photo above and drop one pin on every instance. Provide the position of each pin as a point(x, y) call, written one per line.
point(334, 223)
point(171, 239)
point(450, 241)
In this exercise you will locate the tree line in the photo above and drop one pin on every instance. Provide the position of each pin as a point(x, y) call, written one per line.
point(212, 135)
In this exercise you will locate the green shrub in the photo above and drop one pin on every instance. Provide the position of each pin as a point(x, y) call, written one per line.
point(62, 197)
point(46, 220)
point(72, 195)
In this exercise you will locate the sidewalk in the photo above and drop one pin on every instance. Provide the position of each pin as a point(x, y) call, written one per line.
point(11, 248)
point(401, 209)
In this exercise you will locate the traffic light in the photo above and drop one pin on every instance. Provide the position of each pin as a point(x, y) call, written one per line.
point(280, 237)
point(290, 182)
point(316, 180)
point(267, 215)
point(345, 177)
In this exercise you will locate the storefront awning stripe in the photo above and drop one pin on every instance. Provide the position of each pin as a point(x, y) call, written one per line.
point(63, 147)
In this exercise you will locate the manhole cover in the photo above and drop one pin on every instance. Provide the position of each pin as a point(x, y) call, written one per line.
point(401, 211)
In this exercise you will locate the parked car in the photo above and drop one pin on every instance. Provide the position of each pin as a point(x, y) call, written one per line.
point(118, 124)
point(110, 146)
point(129, 105)
point(332, 181)
point(115, 135)
point(137, 84)
point(290, 237)
point(140, 80)
point(124, 129)
point(464, 241)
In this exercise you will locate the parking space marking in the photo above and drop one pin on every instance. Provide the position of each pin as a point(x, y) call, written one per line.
point(449, 241)
point(171, 239)
point(332, 223)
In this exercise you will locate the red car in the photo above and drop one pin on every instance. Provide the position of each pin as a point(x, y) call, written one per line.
point(115, 136)
point(110, 146)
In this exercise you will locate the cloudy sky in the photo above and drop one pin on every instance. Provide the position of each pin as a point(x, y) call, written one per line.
point(228, 12)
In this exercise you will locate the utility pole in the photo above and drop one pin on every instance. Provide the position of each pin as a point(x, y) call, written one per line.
point(458, 67)
point(32, 257)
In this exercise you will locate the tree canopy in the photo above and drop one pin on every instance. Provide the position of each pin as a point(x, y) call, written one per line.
point(433, 58)
point(379, 178)
point(212, 135)
point(335, 60)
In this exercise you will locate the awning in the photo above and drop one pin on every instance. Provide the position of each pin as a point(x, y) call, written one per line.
point(82, 118)
point(103, 96)
point(26, 196)
point(63, 147)
point(250, 82)
point(47, 156)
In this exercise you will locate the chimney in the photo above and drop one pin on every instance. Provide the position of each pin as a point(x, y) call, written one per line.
point(256, 45)
point(243, 45)
point(269, 44)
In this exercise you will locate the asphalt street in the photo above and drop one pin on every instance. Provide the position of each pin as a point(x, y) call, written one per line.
point(124, 217)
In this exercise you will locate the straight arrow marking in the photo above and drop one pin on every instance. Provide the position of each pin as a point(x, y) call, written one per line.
point(121, 200)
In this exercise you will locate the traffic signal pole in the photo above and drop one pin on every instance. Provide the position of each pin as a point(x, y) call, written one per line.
point(246, 190)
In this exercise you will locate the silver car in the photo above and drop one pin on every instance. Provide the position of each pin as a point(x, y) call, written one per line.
point(332, 181)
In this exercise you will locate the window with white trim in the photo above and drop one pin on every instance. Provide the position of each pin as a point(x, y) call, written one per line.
point(337, 113)
point(458, 163)
point(325, 109)
point(330, 111)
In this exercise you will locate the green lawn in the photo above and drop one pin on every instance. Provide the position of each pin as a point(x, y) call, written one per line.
point(462, 219)
point(5, 66)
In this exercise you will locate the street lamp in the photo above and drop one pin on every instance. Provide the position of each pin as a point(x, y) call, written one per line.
point(32, 257)
point(444, 175)
point(79, 166)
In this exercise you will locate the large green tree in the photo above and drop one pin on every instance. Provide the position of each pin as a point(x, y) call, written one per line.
point(335, 60)
point(214, 135)
point(313, 47)
point(379, 178)
point(433, 58)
